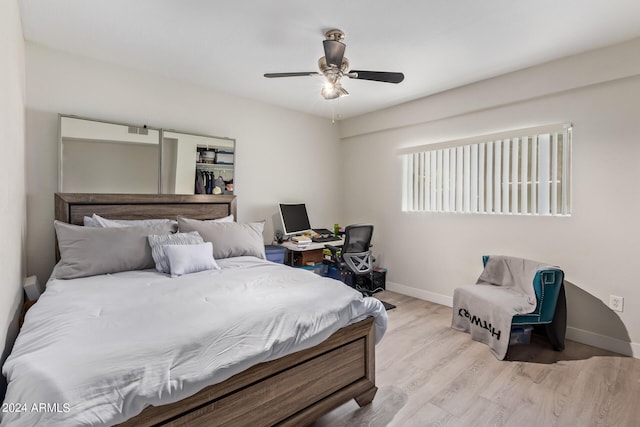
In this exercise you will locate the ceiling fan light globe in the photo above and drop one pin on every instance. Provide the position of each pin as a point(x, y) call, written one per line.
point(329, 91)
point(333, 91)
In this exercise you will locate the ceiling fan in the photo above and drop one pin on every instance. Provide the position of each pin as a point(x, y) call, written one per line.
point(334, 65)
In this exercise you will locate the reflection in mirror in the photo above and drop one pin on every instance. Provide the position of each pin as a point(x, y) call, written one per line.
point(101, 157)
point(197, 164)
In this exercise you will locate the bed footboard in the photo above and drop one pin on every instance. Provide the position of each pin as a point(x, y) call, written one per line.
point(294, 390)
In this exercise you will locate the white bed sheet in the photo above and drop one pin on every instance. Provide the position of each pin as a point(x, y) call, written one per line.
point(98, 350)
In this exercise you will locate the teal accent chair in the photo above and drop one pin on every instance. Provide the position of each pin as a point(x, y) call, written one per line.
point(551, 307)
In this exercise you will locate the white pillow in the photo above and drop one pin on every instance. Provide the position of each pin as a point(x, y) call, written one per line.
point(228, 218)
point(89, 222)
point(185, 259)
point(101, 222)
point(157, 243)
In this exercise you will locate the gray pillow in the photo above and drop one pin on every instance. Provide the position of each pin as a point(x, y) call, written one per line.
point(87, 251)
point(229, 239)
point(157, 243)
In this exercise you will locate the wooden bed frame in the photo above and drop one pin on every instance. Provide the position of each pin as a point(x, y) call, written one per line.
point(291, 391)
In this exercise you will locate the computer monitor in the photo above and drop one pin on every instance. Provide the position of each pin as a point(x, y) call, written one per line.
point(294, 218)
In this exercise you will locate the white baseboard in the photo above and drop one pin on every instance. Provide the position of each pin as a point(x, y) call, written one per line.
point(585, 337)
point(604, 342)
point(420, 294)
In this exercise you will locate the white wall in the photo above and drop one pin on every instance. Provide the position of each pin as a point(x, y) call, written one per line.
point(268, 139)
point(12, 172)
point(428, 255)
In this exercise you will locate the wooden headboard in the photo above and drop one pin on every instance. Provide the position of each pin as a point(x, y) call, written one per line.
point(73, 207)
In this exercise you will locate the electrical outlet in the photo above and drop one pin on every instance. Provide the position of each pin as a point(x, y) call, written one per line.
point(616, 303)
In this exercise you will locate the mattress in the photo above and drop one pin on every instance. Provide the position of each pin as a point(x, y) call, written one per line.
point(98, 350)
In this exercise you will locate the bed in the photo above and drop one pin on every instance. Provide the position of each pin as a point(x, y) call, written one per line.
point(294, 388)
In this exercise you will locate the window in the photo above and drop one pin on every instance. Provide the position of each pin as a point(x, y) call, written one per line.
point(520, 172)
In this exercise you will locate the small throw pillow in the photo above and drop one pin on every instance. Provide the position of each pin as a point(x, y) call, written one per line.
point(185, 259)
point(157, 243)
point(229, 239)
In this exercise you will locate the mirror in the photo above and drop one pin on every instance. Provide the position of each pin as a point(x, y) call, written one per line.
point(100, 157)
point(103, 157)
point(197, 164)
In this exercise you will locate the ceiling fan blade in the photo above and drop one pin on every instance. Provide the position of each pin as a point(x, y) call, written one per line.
point(298, 74)
point(333, 52)
point(378, 76)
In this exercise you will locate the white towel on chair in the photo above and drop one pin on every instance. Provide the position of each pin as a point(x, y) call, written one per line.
point(486, 309)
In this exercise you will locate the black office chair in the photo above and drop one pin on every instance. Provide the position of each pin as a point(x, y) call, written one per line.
point(354, 259)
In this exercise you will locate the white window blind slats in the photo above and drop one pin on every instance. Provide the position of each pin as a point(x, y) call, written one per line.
point(473, 192)
point(459, 179)
point(565, 171)
point(439, 192)
point(446, 180)
point(452, 180)
point(481, 180)
point(410, 180)
point(526, 174)
point(489, 177)
point(506, 161)
point(466, 185)
point(515, 154)
point(497, 178)
point(534, 176)
point(554, 174)
point(543, 174)
point(422, 191)
point(433, 170)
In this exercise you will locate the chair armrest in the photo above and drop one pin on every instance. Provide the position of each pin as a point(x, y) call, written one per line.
point(547, 284)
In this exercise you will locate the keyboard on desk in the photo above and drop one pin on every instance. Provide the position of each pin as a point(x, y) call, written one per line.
point(325, 239)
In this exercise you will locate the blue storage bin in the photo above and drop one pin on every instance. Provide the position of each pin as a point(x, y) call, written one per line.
point(520, 334)
point(275, 253)
point(334, 273)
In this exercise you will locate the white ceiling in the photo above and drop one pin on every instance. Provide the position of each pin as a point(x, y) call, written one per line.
point(228, 45)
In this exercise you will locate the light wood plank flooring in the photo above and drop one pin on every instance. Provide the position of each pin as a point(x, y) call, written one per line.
point(430, 375)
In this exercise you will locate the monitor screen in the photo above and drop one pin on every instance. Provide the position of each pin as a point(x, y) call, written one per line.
point(294, 218)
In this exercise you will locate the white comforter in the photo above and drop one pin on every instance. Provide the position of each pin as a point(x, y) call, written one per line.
point(97, 350)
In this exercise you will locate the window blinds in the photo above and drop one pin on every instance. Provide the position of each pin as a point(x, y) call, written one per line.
point(526, 171)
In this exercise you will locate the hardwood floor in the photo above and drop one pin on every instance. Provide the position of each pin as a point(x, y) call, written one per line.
point(430, 375)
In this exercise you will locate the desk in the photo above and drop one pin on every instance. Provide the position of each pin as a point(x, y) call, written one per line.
point(311, 254)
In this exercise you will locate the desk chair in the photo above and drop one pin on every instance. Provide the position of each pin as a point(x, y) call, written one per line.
point(354, 258)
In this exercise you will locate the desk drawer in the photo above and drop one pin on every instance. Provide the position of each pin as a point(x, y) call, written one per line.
point(304, 258)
